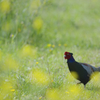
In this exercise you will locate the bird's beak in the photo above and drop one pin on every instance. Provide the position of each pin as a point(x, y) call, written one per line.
point(64, 56)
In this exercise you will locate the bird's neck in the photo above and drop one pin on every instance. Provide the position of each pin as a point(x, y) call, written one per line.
point(71, 59)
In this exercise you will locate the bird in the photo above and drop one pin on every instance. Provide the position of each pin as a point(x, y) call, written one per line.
point(83, 70)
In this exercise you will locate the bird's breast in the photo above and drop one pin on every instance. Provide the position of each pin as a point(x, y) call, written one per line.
point(78, 68)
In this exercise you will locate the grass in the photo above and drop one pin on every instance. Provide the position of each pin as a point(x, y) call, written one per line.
point(33, 38)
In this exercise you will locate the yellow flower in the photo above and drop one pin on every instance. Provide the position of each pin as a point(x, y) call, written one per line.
point(51, 80)
point(40, 97)
point(35, 4)
point(11, 35)
point(53, 94)
point(65, 45)
point(48, 45)
point(37, 23)
point(53, 46)
point(28, 50)
point(75, 90)
point(5, 6)
point(66, 92)
point(37, 62)
point(59, 45)
point(19, 30)
point(74, 74)
point(50, 50)
point(39, 77)
point(11, 87)
point(12, 90)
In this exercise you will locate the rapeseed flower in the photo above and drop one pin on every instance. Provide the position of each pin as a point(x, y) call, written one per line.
point(39, 77)
point(37, 23)
point(40, 97)
point(48, 45)
point(5, 6)
point(12, 90)
point(37, 62)
point(65, 45)
point(28, 51)
point(53, 94)
point(53, 46)
point(59, 45)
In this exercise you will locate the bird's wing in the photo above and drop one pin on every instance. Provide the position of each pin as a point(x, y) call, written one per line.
point(89, 68)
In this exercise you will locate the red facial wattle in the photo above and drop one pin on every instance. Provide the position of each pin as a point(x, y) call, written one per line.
point(67, 55)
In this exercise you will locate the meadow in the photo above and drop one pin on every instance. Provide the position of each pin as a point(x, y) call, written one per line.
point(34, 34)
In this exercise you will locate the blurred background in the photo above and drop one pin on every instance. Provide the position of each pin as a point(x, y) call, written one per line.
point(34, 34)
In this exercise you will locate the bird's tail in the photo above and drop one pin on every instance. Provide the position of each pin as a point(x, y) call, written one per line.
point(98, 69)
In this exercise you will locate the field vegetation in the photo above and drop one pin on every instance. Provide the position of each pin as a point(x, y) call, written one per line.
point(34, 34)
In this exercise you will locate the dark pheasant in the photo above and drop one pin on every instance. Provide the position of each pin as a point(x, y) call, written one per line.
point(83, 70)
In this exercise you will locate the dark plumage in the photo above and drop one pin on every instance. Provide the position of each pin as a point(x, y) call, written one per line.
point(83, 70)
